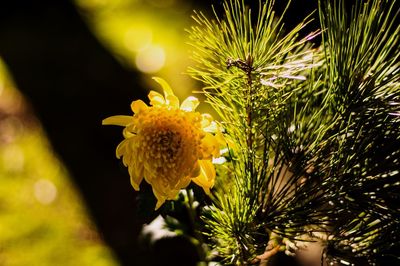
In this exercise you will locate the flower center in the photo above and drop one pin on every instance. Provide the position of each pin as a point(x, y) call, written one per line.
point(170, 143)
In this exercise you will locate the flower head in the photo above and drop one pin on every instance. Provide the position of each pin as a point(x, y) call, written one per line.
point(167, 144)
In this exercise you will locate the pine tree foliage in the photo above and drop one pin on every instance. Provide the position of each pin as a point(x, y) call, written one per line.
point(251, 72)
point(313, 133)
point(362, 51)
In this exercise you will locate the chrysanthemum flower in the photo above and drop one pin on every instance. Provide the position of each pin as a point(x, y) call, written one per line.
point(167, 144)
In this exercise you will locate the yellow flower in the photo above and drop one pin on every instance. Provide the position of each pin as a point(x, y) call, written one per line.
point(167, 144)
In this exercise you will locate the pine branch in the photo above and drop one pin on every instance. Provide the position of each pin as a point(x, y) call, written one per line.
point(362, 51)
point(251, 71)
point(313, 134)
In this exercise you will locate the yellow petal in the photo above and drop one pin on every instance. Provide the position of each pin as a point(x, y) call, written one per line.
point(196, 170)
point(118, 120)
point(190, 104)
point(156, 99)
point(206, 121)
point(136, 177)
point(138, 172)
point(172, 101)
point(148, 174)
point(172, 194)
point(220, 138)
point(212, 127)
point(207, 176)
point(138, 106)
point(184, 182)
point(170, 98)
point(160, 198)
point(121, 148)
point(165, 86)
point(126, 158)
point(127, 134)
point(208, 170)
point(131, 127)
point(210, 146)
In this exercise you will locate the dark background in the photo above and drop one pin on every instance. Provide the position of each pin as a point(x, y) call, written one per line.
point(72, 82)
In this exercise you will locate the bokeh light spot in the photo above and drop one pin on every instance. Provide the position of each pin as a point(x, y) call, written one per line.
point(45, 191)
point(151, 59)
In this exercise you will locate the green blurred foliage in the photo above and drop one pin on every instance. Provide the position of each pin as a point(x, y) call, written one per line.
point(146, 35)
point(42, 219)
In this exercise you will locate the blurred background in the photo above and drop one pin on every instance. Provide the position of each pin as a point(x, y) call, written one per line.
point(64, 66)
